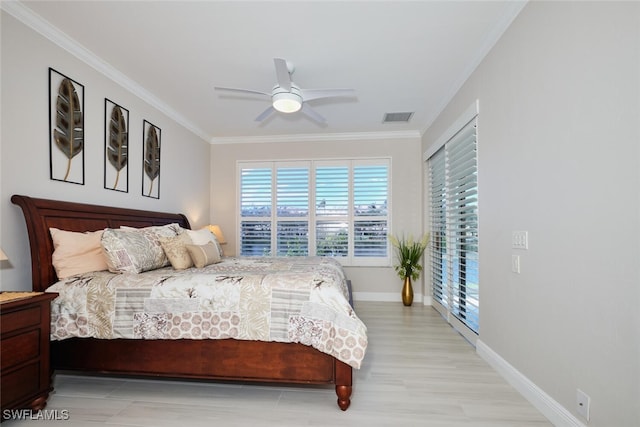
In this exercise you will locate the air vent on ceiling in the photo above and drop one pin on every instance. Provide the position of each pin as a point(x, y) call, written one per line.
point(397, 117)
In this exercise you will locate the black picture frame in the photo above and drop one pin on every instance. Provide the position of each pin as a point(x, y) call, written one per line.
point(151, 145)
point(116, 147)
point(66, 128)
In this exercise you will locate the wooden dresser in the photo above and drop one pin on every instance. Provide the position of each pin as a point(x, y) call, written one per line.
point(25, 375)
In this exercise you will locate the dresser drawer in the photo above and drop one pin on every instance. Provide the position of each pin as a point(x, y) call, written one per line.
point(19, 348)
point(20, 319)
point(20, 384)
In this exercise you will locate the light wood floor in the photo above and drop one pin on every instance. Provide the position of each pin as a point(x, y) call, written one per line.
point(417, 372)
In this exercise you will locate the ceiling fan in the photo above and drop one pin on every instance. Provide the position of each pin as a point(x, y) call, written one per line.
point(287, 97)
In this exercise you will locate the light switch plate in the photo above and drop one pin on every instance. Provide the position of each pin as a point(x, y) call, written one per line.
point(515, 263)
point(520, 240)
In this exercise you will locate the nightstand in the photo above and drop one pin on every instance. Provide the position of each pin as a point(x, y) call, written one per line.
point(24, 351)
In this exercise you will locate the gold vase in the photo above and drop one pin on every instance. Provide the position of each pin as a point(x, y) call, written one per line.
point(407, 292)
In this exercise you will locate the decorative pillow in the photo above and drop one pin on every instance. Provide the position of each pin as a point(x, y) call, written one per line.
point(76, 253)
point(156, 232)
point(175, 249)
point(167, 230)
point(204, 236)
point(204, 254)
point(136, 250)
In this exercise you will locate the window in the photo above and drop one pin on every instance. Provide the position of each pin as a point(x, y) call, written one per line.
point(453, 213)
point(337, 208)
point(255, 205)
point(292, 217)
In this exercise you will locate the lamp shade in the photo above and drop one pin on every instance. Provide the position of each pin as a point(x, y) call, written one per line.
point(215, 229)
point(3, 256)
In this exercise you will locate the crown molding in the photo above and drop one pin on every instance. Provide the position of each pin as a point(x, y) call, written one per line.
point(25, 15)
point(513, 10)
point(324, 137)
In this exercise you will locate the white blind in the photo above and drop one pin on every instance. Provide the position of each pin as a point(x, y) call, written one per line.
point(255, 210)
point(255, 200)
point(332, 191)
point(438, 227)
point(327, 207)
point(293, 191)
point(453, 207)
point(370, 189)
point(292, 199)
point(332, 210)
point(462, 230)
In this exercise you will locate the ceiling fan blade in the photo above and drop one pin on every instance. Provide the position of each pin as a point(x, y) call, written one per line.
point(266, 113)
point(312, 114)
point(282, 74)
point(233, 89)
point(311, 94)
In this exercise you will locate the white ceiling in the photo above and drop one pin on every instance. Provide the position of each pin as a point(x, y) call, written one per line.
point(399, 56)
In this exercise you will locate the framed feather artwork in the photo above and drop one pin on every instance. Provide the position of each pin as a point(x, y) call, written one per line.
point(151, 160)
point(66, 128)
point(116, 147)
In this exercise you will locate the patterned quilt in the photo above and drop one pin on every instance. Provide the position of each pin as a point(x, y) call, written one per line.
point(285, 299)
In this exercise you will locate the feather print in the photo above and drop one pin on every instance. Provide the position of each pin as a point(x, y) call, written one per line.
point(152, 156)
point(69, 132)
point(117, 150)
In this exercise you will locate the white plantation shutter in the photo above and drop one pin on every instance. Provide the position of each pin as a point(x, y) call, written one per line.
point(256, 192)
point(332, 191)
point(438, 233)
point(453, 211)
point(370, 189)
point(462, 215)
point(292, 201)
point(255, 210)
point(333, 208)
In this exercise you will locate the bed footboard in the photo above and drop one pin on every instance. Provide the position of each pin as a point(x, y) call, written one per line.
point(226, 359)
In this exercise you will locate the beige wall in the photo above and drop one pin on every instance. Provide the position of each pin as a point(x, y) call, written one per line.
point(406, 179)
point(24, 142)
point(559, 156)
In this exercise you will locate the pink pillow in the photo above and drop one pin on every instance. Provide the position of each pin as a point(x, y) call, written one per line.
point(76, 253)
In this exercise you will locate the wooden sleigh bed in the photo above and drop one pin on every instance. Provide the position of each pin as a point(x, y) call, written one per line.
point(211, 359)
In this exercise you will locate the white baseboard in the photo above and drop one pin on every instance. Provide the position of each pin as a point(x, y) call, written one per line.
point(387, 297)
point(556, 413)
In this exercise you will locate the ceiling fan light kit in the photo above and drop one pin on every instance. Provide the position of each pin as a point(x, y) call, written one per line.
point(287, 101)
point(287, 97)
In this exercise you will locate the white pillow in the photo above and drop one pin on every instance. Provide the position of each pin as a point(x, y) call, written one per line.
point(201, 237)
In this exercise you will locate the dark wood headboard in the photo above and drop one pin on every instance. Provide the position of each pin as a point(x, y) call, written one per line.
point(42, 214)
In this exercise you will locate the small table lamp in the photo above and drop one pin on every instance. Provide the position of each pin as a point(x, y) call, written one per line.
point(215, 229)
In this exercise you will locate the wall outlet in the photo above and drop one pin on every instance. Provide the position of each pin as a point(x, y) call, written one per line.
point(584, 402)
